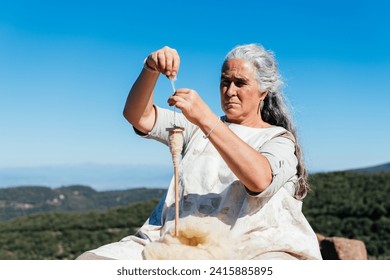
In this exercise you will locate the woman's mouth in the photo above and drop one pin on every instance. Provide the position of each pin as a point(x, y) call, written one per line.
point(228, 104)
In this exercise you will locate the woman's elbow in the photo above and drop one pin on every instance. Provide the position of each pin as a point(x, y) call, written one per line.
point(142, 122)
point(260, 185)
point(130, 116)
point(126, 114)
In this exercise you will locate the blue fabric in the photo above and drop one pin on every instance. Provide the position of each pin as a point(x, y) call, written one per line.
point(155, 218)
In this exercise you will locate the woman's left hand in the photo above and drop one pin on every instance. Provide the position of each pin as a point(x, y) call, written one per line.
point(191, 104)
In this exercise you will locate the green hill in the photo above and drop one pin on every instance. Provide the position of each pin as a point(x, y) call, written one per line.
point(28, 200)
point(352, 205)
point(67, 235)
point(373, 169)
point(345, 204)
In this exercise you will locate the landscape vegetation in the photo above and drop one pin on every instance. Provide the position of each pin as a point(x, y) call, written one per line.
point(45, 223)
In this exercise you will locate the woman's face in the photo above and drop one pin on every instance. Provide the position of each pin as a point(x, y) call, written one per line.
point(240, 95)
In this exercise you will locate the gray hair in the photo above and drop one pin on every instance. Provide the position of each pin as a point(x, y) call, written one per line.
point(274, 109)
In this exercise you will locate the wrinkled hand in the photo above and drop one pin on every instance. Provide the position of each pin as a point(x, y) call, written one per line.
point(191, 104)
point(165, 60)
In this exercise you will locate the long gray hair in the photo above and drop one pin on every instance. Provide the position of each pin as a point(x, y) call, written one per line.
point(274, 109)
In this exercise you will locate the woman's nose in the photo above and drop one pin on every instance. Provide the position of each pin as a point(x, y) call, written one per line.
point(231, 90)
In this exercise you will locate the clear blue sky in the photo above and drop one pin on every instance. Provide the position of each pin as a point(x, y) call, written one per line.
point(66, 68)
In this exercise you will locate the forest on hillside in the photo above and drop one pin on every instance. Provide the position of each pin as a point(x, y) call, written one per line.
point(67, 235)
point(343, 204)
point(29, 200)
point(352, 205)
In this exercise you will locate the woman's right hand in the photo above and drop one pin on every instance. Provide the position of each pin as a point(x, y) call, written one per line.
point(165, 60)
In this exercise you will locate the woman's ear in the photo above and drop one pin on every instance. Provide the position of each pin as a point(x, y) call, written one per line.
point(263, 95)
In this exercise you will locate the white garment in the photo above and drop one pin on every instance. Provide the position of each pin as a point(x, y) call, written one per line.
point(271, 221)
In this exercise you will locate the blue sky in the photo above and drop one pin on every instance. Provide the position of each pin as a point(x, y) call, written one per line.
point(66, 68)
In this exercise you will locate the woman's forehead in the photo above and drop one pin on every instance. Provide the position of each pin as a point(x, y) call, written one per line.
point(237, 67)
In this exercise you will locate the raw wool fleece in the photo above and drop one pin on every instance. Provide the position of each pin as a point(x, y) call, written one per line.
point(203, 238)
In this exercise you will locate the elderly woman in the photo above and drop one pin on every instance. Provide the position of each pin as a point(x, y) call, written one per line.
point(244, 169)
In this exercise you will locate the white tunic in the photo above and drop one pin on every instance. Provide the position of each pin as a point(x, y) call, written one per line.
point(269, 222)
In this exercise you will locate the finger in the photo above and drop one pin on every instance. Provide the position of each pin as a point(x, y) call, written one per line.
point(185, 92)
point(175, 63)
point(171, 102)
point(182, 91)
point(184, 106)
point(168, 64)
point(171, 56)
point(151, 61)
point(174, 99)
point(161, 61)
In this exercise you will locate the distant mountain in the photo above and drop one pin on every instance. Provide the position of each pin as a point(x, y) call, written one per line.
point(103, 177)
point(34, 198)
point(23, 201)
point(373, 169)
point(341, 204)
point(99, 176)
